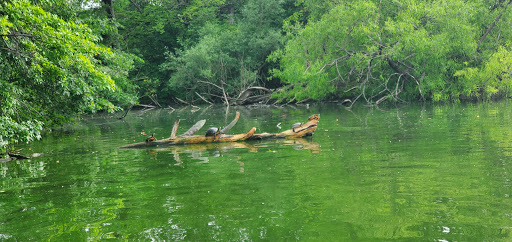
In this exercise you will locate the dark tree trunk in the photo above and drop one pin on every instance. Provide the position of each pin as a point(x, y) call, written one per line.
point(109, 8)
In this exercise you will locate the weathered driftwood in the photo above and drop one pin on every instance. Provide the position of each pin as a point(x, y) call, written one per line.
point(188, 137)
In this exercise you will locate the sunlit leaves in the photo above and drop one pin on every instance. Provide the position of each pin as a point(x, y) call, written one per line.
point(52, 69)
point(376, 48)
point(13, 132)
point(314, 59)
point(493, 78)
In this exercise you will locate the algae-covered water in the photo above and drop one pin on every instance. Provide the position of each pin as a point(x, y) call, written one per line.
point(428, 173)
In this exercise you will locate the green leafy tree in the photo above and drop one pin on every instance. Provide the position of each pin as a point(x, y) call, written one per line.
point(388, 50)
point(229, 55)
point(52, 69)
point(493, 78)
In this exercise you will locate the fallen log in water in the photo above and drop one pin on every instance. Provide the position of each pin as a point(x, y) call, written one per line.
point(188, 137)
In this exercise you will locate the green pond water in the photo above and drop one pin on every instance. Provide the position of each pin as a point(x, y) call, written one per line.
point(408, 173)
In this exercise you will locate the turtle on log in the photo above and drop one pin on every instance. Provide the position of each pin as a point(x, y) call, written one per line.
point(213, 131)
point(151, 138)
point(295, 125)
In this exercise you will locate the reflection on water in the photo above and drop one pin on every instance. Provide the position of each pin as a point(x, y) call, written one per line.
point(202, 152)
point(434, 173)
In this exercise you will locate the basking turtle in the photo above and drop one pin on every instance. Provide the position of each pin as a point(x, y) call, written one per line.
point(213, 131)
point(151, 138)
point(314, 117)
point(295, 125)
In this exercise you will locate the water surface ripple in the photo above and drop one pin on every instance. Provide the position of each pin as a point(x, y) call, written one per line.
point(429, 173)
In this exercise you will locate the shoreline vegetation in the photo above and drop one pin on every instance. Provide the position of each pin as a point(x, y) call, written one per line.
point(61, 59)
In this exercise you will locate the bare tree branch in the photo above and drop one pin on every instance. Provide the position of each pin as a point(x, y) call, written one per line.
point(492, 25)
point(204, 99)
point(226, 100)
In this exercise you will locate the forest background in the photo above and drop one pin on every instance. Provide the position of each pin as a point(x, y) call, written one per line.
point(63, 58)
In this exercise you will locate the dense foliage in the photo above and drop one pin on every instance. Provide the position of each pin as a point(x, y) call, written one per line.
point(52, 69)
point(62, 58)
point(228, 58)
point(399, 50)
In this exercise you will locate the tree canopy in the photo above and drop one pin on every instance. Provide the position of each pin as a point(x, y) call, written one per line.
point(53, 69)
point(407, 50)
point(229, 57)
